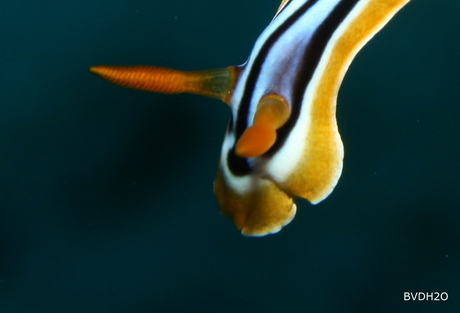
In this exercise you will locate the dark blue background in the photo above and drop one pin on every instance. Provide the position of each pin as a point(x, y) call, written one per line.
point(106, 201)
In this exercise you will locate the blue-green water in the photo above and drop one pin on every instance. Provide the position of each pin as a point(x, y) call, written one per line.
point(106, 200)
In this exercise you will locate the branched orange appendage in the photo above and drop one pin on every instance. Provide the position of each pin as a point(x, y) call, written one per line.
point(215, 83)
point(155, 79)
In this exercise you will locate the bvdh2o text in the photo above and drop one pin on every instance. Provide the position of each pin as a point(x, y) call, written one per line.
point(426, 296)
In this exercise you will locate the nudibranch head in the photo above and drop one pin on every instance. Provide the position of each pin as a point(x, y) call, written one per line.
point(282, 140)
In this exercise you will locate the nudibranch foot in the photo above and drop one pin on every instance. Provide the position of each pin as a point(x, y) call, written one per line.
point(261, 209)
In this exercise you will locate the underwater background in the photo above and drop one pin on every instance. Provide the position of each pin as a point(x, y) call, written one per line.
point(106, 197)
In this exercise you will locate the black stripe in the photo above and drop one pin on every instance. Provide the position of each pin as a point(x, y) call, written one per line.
point(311, 57)
point(310, 61)
point(237, 165)
point(241, 123)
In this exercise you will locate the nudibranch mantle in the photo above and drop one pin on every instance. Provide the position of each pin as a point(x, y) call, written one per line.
point(282, 140)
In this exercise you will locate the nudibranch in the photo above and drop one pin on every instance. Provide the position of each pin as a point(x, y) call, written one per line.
point(282, 141)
